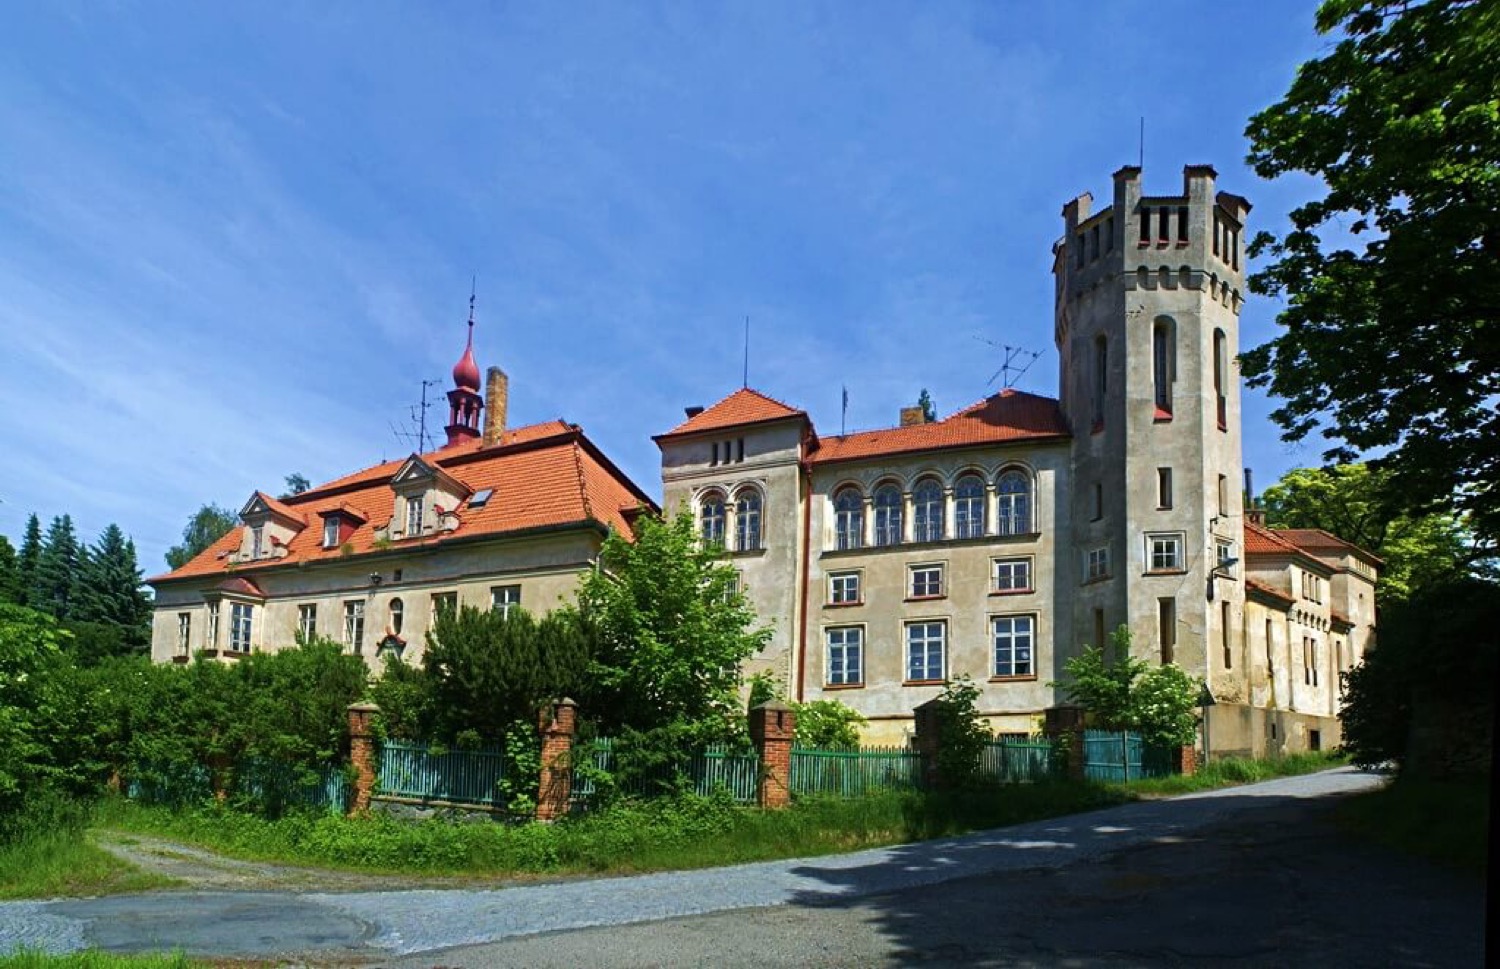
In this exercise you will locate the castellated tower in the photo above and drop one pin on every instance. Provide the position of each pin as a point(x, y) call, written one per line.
point(1148, 296)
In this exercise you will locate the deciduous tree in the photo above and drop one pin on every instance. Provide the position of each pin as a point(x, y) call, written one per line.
point(1391, 332)
point(208, 524)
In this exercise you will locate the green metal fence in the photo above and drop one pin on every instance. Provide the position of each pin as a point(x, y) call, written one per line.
point(1015, 760)
point(257, 784)
point(1119, 755)
point(603, 762)
point(412, 770)
point(853, 771)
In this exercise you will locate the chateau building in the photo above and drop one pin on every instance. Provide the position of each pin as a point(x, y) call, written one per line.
point(996, 542)
point(999, 541)
point(495, 518)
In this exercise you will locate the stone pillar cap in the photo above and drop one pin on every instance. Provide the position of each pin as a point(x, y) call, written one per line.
point(363, 706)
point(772, 705)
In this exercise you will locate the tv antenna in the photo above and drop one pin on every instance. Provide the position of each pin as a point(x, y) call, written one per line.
point(415, 435)
point(1018, 360)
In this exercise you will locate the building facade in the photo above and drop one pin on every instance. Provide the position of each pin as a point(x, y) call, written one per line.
point(999, 541)
point(495, 518)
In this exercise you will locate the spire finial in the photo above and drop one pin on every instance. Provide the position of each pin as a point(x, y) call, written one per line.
point(473, 289)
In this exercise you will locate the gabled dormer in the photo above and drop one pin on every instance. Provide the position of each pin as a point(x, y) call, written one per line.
point(269, 527)
point(426, 500)
point(339, 524)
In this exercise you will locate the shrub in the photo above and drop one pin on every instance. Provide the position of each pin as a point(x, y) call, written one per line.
point(962, 733)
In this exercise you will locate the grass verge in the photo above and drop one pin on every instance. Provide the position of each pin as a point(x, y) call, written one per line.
point(678, 833)
point(50, 855)
point(95, 959)
point(1443, 821)
point(1230, 771)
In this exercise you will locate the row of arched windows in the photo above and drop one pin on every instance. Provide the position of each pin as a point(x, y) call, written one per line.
point(1014, 511)
point(747, 511)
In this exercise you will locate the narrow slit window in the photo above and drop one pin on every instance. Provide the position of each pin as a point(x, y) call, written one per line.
point(1182, 225)
point(1145, 225)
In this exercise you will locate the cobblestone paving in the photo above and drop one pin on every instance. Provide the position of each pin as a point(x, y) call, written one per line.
point(368, 923)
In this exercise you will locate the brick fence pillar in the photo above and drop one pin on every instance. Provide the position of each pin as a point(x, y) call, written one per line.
point(928, 717)
point(362, 754)
point(1187, 760)
point(1064, 725)
point(772, 727)
point(555, 792)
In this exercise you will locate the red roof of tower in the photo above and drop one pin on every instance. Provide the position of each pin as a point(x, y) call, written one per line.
point(466, 371)
point(744, 406)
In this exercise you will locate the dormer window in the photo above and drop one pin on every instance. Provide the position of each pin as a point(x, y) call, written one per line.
point(413, 516)
point(257, 541)
point(330, 531)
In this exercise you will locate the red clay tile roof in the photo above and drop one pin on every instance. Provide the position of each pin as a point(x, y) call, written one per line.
point(744, 406)
point(277, 508)
point(1317, 540)
point(546, 475)
point(239, 585)
point(1008, 416)
point(1260, 540)
point(1253, 586)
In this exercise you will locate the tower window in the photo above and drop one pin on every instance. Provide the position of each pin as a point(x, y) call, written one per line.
point(1166, 627)
point(747, 521)
point(1224, 637)
point(711, 518)
point(739, 447)
point(1101, 378)
point(1109, 234)
point(1223, 496)
point(1098, 501)
point(1163, 488)
point(1218, 230)
point(1163, 365)
point(1079, 250)
point(1182, 225)
point(713, 453)
point(1094, 241)
point(1221, 376)
point(1164, 552)
point(1163, 225)
point(1096, 564)
point(1145, 225)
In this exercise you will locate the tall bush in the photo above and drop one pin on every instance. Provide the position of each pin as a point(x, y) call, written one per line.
point(1159, 702)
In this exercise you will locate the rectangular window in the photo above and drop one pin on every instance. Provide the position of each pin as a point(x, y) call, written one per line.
point(307, 621)
point(213, 625)
point(843, 588)
point(1096, 564)
point(1099, 628)
point(1223, 557)
point(1013, 575)
point(924, 651)
point(239, 626)
point(846, 660)
point(1164, 488)
point(1224, 635)
point(330, 532)
point(1270, 661)
point(257, 540)
point(926, 581)
point(444, 602)
point(1015, 639)
point(739, 448)
point(505, 598)
point(354, 624)
point(184, 632)
point(413, 517)
point(1166, 628)
point(1164, 552)
point(1223, 496)
point(1098, 501)
point(714, 459)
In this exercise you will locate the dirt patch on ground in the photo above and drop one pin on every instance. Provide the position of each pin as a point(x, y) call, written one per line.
point(194, 867)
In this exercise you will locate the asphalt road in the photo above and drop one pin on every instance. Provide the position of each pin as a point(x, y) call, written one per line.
point(1257, 875)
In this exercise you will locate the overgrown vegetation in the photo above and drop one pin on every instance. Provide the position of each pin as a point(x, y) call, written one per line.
point(1232, 771)
point(97, 959)
point(1129, 694)
point(962, 734)
point(44, 852)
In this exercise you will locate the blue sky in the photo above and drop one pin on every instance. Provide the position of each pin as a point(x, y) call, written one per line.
point(234, 238)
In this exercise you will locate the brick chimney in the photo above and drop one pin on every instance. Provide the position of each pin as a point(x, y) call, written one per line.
point(913, 415)
point(496, 393)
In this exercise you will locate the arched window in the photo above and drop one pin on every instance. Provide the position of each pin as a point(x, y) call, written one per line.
point(1014, 515)
point(927, 511)
point(849, 518)
point(888, 515)
point(1163, 363)
point(968, 507)
point(398, 616)
point(1221, 373)
point(711, 518)
point(747, 520)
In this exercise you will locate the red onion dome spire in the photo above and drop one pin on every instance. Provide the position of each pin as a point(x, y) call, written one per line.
point(466, 371)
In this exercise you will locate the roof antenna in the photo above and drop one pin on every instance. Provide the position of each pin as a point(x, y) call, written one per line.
point(415, 435)
point(1010, 371)
point(746, 376)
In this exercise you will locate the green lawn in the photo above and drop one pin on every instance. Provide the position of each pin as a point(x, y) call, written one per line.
point(1442, 821)
point(63, 862)
point(95, 959)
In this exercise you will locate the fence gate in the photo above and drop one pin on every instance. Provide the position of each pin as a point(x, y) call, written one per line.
point(1119, 755)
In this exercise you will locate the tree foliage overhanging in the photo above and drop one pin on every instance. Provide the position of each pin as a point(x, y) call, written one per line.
point(1391, 332)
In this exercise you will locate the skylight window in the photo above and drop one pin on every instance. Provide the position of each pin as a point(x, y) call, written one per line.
point(481, 497)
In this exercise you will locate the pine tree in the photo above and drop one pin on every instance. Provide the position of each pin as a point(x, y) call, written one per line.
point(10, 578)
point(31, 550)
point(109, 587)
point(53, 581)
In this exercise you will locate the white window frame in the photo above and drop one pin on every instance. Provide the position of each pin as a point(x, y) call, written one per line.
point(307, 620)
point(927, 570)
point(1096, 564)
point(184, 632)
point(1165, 551)
point(969, 519)
point(354, 625)
point(505, 598)
point(890, 519)
point(396, 609)
point(330, 531)
point(841, 645)
point(711, 527)
point(213, 625)
point(440, 600)
point(848, 519)
point(1017, 638)
point(838, 596)
point(257, 540)
point(927, 514)
point(1012, 565)
point(241, 626)
point(1015, 509)
point(748, 505)
point(414, 516)
point(1223, 551)
point(929, 636)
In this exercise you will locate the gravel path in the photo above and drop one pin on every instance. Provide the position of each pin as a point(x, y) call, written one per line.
point(354, 926)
